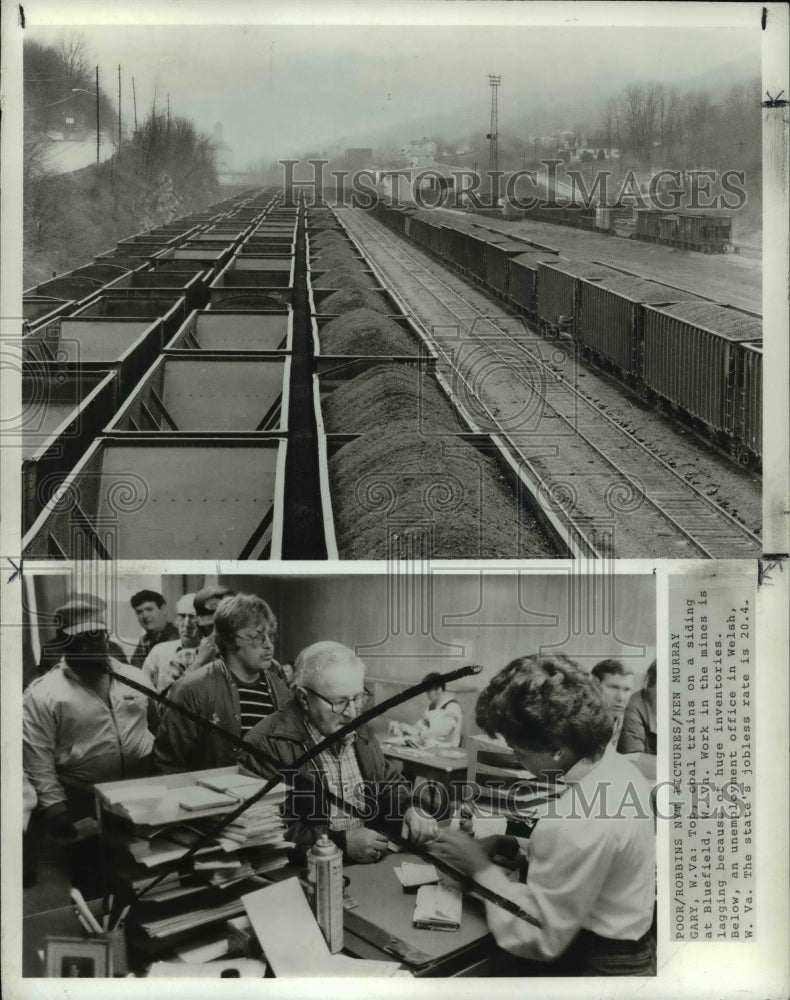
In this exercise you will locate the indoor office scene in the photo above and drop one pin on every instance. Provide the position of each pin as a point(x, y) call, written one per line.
point(216, 767)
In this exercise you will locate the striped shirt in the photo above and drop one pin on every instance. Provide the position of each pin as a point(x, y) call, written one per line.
point(255, 701)
point(342, 776)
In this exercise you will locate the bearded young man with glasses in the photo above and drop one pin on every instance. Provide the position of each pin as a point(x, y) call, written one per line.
point(329, 693)
point(235, 691)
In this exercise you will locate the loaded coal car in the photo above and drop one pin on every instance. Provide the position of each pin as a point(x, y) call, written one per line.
point(610, 319)
point(522, 279)
point(704, 230)
point(497, 267)
point(695, 363)
point(747, 424)
point(557, 292)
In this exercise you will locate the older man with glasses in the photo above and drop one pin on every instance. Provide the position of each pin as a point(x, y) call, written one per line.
point(167, 661)
point(233, 692)
point(329, 693)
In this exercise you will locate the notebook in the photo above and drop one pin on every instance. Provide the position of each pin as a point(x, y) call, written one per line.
point(233, 783)
point(197, 797)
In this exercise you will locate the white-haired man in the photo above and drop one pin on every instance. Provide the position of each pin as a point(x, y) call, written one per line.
point(167, 661)
point(329, 692)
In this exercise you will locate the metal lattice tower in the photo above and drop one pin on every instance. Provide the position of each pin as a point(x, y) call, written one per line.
point(493, 153)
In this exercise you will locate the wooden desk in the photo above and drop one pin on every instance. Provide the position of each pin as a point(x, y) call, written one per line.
point(470, 951)
point(431, 767)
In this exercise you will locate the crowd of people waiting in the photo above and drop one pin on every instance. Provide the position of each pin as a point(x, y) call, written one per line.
point(91, 717)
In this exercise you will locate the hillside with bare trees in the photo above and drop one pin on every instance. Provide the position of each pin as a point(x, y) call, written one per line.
point(163, 168)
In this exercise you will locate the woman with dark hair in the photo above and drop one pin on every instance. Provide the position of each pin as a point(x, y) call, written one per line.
point(591, 858)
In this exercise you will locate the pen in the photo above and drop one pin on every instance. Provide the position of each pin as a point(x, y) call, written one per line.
point(122, 917)
point(108, 914)
point(82, 906)
point(85, 925)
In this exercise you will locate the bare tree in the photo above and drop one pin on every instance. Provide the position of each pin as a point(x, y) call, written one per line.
point(74, 60)
point(639, 109)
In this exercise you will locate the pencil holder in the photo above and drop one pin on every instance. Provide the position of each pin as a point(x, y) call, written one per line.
point(117, 947)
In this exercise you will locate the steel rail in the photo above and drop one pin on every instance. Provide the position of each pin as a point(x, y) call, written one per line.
point(679, 503)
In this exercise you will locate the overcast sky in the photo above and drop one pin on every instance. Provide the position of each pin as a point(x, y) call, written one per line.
point(281, 90)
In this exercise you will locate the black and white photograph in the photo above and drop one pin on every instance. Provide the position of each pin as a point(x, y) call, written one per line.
point(394, 451)
point(511, 741)
point(480, 292)
point(75, 958)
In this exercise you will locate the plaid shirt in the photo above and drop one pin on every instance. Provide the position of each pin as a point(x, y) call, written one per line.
point(343, 778)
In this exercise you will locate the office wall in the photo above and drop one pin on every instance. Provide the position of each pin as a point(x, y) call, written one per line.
point(405, 626)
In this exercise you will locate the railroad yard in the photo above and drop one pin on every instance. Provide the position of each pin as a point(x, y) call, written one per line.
point(262, 381)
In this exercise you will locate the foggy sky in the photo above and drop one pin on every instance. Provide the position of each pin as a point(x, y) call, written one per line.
point(282, 90)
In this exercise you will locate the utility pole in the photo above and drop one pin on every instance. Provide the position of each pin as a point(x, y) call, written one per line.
point(493, 149)
point(119, 108)
point(134, 99)
point(97, 114)
point(168, 112)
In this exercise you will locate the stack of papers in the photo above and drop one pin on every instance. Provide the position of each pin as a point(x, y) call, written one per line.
point(160, 849)
point(175, 924)
point(438, 908)
point(260, 824)
point(411, 874)
point(145, 805)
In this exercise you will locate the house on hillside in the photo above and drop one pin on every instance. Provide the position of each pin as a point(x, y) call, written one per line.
point(419, 153)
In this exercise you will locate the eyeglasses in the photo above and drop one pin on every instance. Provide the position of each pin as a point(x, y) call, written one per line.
point(258, 637)
point(341, 705)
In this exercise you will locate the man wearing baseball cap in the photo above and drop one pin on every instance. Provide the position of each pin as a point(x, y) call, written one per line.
point(51, 652)
point(80, 723)
point(207, 601)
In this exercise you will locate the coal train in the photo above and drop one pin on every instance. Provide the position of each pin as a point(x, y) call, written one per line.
point(698, 359)
point(173, 387)
point(703, 230)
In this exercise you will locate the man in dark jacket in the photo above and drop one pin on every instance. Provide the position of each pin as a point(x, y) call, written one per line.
point(151, 610)
point(329, 692)
point(234, 691)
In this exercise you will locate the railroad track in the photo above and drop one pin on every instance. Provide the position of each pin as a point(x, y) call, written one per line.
point(749, 249)
point(687, 521)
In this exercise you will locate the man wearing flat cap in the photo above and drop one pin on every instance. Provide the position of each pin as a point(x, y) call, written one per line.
point(81, 724)
point(207, 601)
point(51, 652)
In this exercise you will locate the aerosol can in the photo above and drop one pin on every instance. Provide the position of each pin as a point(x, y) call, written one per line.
point(325, 872)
